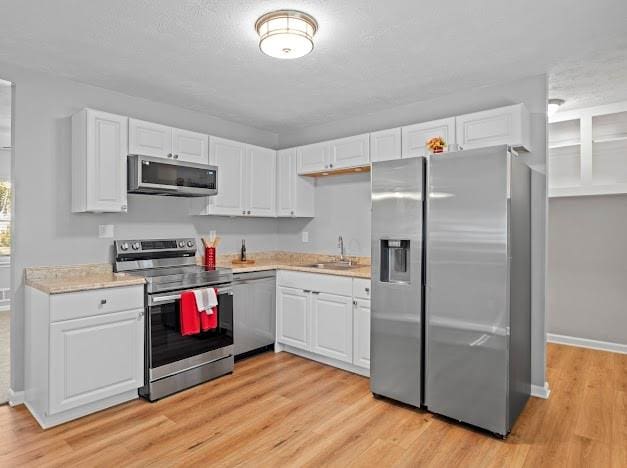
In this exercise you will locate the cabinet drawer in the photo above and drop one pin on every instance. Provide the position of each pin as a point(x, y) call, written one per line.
point(361, 288)
point(330, 284)
point(95, 302)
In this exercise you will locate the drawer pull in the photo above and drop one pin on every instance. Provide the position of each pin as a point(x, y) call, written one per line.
point(103, 301)
point(367, 290)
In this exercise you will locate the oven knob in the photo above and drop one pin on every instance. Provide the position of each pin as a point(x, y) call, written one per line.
point(124, 246)
point(181, 244)
point(190, 243)
point(136, 246)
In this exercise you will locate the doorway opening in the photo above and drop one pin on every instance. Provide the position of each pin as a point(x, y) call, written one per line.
point(5, 239)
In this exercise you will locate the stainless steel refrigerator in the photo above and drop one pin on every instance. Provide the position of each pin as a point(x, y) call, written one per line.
point(451, 284)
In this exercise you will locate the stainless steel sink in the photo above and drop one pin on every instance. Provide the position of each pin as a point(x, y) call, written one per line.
point(334, 266)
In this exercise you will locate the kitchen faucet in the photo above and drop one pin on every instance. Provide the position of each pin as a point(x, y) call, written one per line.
point(340, 244)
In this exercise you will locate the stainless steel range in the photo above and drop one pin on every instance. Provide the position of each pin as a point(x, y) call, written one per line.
point(175, 362)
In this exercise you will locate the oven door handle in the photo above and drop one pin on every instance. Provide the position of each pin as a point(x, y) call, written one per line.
point(176, 297)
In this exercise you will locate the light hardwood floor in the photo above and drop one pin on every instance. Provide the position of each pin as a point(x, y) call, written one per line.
point(281, 410)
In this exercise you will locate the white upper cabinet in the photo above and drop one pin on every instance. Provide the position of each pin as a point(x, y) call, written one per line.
point(190, 146)
point(161, 141)
point(385, 145)
point(246, 180)
point(350, 152)
point(260, 185)
point(294, 193)
point(503, 126)
point(149, 139)
point(230, 157)
point(99, 150)
point(415, 137)
point(313, 158)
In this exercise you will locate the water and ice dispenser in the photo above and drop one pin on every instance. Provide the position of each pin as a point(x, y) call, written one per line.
point(395, 261)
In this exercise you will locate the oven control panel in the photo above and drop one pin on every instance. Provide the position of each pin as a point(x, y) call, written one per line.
point(154, 245)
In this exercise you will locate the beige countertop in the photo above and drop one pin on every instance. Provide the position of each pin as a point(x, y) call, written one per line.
point(294, 261)
point(66, 279)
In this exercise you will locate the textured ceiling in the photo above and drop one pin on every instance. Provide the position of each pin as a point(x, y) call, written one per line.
point(369, 55)
point(590, 80)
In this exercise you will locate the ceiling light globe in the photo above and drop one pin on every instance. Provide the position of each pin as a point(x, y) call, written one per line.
point(286, 34)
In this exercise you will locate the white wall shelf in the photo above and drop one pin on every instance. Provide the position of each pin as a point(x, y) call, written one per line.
point(588, 152)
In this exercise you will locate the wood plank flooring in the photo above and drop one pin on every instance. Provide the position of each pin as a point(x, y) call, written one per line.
point(282, 410)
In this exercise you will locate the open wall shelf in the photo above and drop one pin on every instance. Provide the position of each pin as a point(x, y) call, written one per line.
point(588, 152)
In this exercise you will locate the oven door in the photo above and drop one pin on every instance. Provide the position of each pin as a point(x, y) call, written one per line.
point(161, 176)
point(169, 352)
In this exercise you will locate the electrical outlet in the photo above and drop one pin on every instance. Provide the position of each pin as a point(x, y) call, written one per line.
point(105, 231)
point(305, 236)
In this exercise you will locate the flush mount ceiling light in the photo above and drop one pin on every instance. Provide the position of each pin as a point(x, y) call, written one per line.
point(554, 105)
point(286, 34)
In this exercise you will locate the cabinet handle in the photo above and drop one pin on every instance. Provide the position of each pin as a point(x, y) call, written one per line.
point(330, 165)
point(354, 303)
point(176, 156)
point(367, 290)
point(169, 155)
point(103, 301)
point(315, 292)
point(292, 213)
point(248, 211)
point(140, 315)
point(243, 212)
point(306, 291)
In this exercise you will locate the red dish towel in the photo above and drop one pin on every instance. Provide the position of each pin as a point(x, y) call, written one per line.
point(190, 318)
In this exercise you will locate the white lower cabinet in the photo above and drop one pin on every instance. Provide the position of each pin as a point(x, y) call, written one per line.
point(293, 317)
point(332, 326)
point(84, 351)
point(327, 317)
point(361, 333)
point(94, 358)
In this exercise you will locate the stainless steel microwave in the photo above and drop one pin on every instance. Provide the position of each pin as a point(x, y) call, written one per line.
point(158, 176)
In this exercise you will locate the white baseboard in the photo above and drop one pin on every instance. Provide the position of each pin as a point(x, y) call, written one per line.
point(586, 343)
point(16, 398)
point(541, 392)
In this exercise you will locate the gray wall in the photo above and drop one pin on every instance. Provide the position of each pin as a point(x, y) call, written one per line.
point(347, 196)
point(342, 208)
point(45, 232)
point(587, 295)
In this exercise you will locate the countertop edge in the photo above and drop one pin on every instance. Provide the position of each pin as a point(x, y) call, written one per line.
point(345, 273)
point(88, 285)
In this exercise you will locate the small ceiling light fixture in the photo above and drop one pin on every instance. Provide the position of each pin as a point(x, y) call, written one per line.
point(286, 34)
point(554, 105)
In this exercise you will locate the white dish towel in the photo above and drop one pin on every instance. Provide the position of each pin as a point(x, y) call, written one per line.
point(206, 300)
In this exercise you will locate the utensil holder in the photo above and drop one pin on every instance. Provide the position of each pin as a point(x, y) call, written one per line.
point(210, 258)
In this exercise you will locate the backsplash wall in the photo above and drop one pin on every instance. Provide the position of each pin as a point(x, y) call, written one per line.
point(342, 208)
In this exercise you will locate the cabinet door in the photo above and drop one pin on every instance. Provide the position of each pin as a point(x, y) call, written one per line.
point(107, 148)
point(350, 152)
point(503, 126)
point(295, 193)
point(95, 358)
point(260, 181)
point(190, 146)
point(361, 336)
point(230, 157)
point(332, 326)
point(286, 182)
point(313, 158)
point(385, 145)
point(149, 139)
point(415, 137)
point(292, 317)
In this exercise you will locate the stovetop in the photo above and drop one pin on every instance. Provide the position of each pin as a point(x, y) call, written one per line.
point(183, 277)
